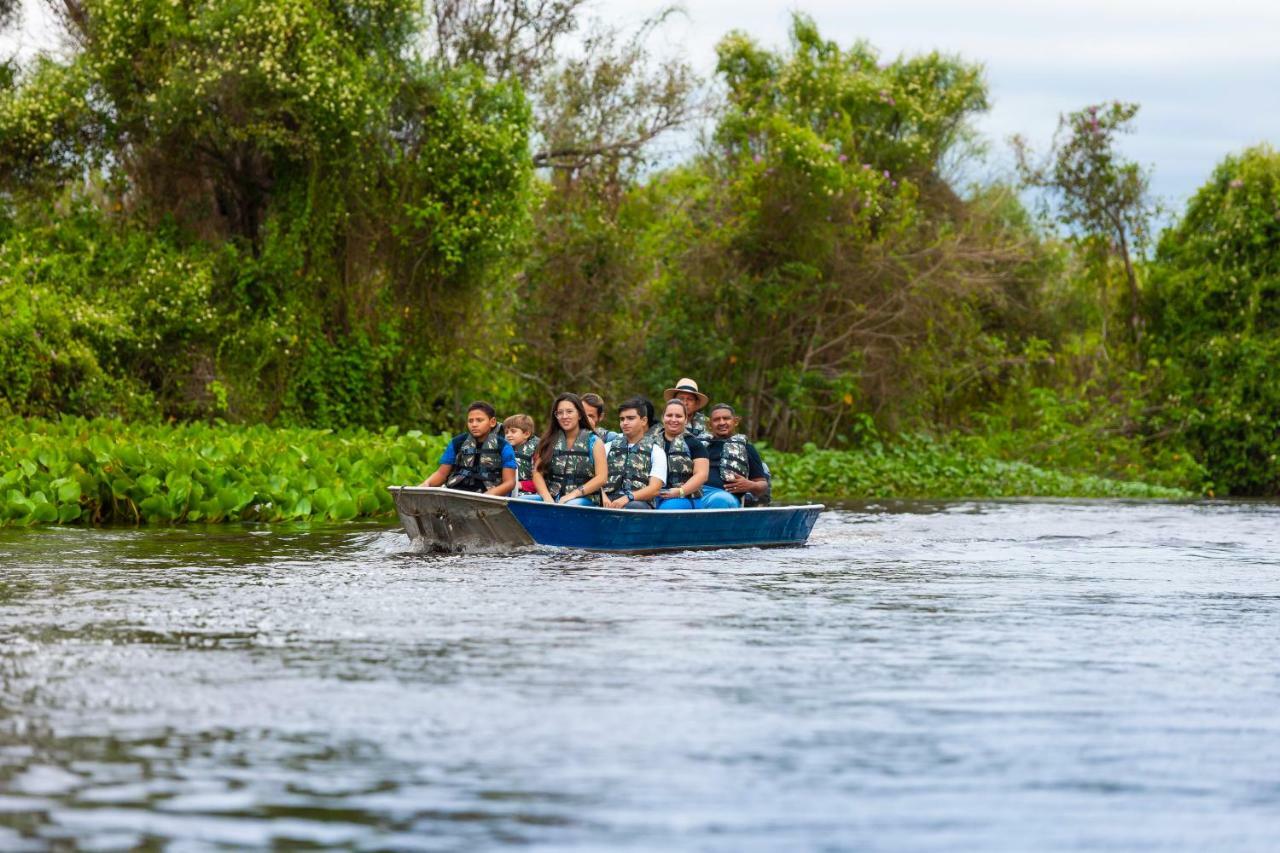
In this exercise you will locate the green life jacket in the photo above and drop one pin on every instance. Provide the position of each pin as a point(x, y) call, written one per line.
point(698, 426)
point(571, 466)
point(733, 457)
point(524, 458)
point(629, 466)
point(477, 468)
point(679, 464)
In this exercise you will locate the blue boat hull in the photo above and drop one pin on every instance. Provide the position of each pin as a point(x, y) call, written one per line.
point(455, 522)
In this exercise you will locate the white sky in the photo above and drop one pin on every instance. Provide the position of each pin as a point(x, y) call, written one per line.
point(1206, 74)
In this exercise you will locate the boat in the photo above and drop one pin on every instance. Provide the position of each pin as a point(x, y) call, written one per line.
point(456, 522)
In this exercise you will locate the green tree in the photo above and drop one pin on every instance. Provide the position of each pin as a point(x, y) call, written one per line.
point(1098, 193)
point(817, 263)
point(1213, 314)
point(361, 190)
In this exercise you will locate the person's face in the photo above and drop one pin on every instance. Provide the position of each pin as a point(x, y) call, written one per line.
point(593, 414)
point(516, 436)
point(567, 416)
point(673, 420)
point(690, 401)
point(723, 424)
point(633, 425)
point(479, 424)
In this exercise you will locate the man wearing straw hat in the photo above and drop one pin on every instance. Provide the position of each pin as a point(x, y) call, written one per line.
point(686, 391)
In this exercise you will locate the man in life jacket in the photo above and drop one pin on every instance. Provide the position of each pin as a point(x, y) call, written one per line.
point(478, 460)
point(594, 406)
point(738, 476)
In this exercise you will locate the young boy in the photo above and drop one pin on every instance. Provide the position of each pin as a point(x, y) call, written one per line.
point(519, 429)
point(478, 460)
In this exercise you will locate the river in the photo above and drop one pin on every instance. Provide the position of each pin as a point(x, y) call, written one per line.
point(954, 676)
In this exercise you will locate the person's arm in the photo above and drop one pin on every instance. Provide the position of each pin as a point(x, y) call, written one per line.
point(596, 483)
point(509, 466)
point(447, 458)
point(540, 484)
point(438, 478)
point(701, 470)
point(755, 482)
point(657, 476)
point(508, 483)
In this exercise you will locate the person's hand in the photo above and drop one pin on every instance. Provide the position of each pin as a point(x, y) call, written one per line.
point(737, 485)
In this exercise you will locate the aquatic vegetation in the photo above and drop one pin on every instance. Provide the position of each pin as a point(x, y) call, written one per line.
point(918, 467)
point(105, 471)
point(78, 471)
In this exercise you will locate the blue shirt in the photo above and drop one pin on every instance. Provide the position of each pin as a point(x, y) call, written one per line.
point(450, 454)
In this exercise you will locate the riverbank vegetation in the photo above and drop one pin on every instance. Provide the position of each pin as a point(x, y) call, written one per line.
point(356, 217)
point(106, 471)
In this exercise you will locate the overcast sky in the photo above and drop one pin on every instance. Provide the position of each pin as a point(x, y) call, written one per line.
point(1207, 74)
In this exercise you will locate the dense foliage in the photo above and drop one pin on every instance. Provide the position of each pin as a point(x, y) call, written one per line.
point(352, 215)
point(1214, 309)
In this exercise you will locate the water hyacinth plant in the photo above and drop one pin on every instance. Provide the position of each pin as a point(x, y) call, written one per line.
point(104, 471)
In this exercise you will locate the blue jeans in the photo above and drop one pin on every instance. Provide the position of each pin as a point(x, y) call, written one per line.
point(677, 503)
point(574, 502)
point(713, 498)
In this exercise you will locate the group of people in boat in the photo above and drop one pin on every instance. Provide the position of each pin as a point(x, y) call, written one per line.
point(680, 458)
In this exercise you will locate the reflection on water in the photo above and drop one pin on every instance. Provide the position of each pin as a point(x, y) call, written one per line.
point(996, 676)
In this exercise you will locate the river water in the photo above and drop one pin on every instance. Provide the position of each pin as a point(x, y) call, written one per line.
point(964, 676)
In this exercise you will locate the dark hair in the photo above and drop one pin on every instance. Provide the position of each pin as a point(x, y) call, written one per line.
point(641, 405)
point(484, 407)
point(542, 456)
point(724, 406)
point(595, 401)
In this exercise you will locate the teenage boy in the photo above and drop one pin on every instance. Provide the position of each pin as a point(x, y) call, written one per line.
point(637, 462)
point(478, 460)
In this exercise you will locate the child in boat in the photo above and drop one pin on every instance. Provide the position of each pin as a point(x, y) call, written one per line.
point(519, 430)
point(478, 460)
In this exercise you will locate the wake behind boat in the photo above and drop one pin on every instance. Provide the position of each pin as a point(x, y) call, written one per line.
point(452, 521)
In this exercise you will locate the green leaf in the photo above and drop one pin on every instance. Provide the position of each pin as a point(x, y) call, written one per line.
point(44, 513)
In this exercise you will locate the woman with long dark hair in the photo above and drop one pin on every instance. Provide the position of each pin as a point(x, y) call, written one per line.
point(570, 465)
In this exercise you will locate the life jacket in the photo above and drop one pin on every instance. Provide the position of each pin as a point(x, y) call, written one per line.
point(733, 457)
point(629, 466)
point(477, 468)
point(679, 464)
point(524, 458)
point(571, 466)
point(698, 426)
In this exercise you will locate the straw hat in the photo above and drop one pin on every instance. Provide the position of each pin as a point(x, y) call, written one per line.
point(687, 386)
